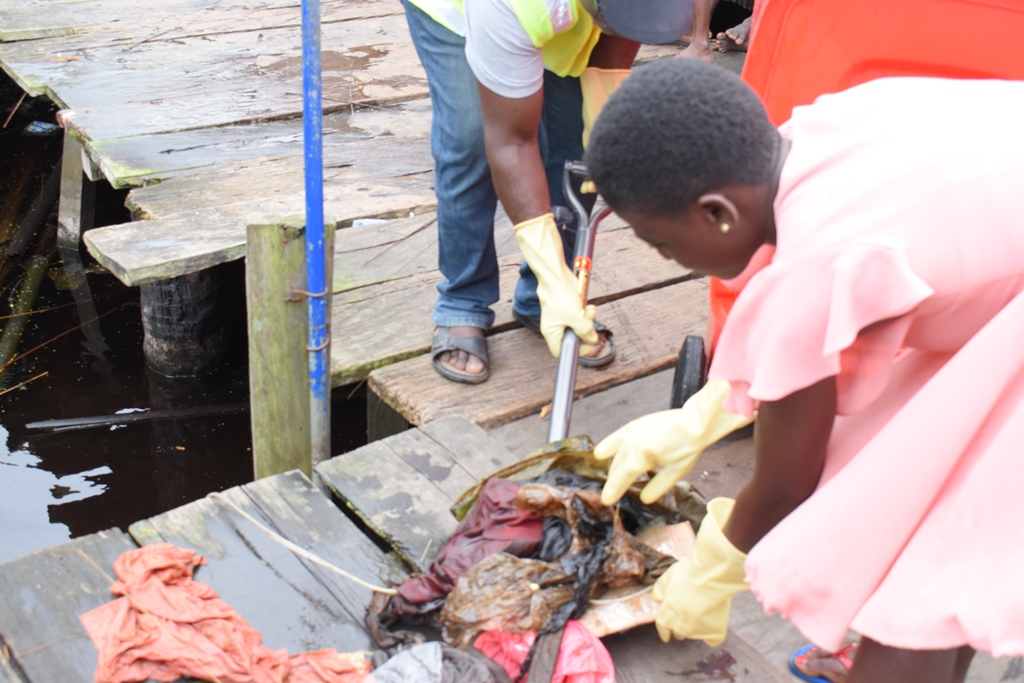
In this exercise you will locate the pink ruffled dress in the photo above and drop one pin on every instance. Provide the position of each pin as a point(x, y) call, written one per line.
point(899, 268)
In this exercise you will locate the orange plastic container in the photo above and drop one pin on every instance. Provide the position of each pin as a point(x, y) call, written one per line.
point(801, 49)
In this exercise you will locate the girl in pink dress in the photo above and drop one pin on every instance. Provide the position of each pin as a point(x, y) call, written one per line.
point(878, 340)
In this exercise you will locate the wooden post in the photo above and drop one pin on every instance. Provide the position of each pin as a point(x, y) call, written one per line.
point(278, 361)
point(275, 276)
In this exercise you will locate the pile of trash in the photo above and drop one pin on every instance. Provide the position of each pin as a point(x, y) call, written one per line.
point(537, 570)
point(534, 548)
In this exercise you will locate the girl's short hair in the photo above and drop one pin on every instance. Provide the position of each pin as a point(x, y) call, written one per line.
point(674, 130)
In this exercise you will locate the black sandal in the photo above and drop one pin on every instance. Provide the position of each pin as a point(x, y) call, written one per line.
point(445, 341)
point(533, 325)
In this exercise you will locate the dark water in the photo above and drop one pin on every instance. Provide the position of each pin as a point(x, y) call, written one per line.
point(55, 486)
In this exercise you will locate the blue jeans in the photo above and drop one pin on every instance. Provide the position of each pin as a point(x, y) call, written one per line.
point(466, 200)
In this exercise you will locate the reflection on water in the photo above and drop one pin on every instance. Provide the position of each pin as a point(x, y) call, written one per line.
point(59, 485)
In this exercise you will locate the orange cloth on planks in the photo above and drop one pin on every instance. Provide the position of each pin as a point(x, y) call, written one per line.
point(167, 626)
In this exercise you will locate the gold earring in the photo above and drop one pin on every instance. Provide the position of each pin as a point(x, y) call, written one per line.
point(724, 227)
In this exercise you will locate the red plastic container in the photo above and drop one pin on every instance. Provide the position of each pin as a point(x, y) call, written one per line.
point(804, 48)
point(801, 49)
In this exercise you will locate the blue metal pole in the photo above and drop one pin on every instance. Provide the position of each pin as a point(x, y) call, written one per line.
point(316, 280)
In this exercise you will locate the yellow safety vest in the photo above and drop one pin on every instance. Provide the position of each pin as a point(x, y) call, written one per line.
point(566, 53)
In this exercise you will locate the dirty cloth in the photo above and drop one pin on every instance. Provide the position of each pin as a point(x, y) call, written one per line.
point(166, 625)
point(436, 662)
point(493, 525)
point(899, 224)
point(508, 593)
point(582, 657)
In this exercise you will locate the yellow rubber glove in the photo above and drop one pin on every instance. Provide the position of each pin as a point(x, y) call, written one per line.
point(670, 439)
point(557, 286)
point(597, 86)
point(696, 592)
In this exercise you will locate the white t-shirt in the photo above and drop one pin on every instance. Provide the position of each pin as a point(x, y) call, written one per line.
point(500, 52)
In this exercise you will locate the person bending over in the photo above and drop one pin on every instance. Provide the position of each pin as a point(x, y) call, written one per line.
point(875, 343)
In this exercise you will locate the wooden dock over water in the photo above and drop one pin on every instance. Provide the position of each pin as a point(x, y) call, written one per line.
point(196, 107)
point(297, 604)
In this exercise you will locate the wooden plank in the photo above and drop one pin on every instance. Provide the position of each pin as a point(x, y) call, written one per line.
point(41, 596)
point(401, 504)
point(641, 657)
point(623, 265)
point(294, 604)
point(196, 230)
point(218, 79)
point(359, 179)
point(473, 448)
point(649, 328)
point(596, 416)
point(137, 160)
point(100, 23)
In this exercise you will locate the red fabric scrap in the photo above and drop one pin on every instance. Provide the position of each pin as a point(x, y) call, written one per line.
point(167, 626)
point(494, 525)
point(582, 657)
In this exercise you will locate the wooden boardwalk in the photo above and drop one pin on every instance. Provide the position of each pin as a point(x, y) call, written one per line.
point(293, 602)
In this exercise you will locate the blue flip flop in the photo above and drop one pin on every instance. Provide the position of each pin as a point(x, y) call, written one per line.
point(800, 674)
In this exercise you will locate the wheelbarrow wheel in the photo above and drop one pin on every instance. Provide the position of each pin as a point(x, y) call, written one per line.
point(691, 370)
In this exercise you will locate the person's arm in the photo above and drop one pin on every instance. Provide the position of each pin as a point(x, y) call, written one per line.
point(511, 126)
point(790, 438)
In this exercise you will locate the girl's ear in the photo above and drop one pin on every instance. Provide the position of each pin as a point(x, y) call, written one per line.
point(719, 211)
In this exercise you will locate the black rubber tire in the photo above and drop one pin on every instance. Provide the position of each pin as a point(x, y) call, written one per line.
point(691, 371)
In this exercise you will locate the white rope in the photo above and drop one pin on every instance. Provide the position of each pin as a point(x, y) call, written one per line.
point(301, 551)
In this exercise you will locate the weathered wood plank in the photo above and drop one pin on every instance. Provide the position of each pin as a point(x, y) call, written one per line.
point(368, 177)
point(432, 460)
point(293, 603)
point(649, 328)
point(199, 221)
point(471, 446)
point(596, 416)
point(623, 265)
point(398, 502)
point(103, 23)
point(137, 160)
point(640, 657)
point(41, 597)
point(218, 79)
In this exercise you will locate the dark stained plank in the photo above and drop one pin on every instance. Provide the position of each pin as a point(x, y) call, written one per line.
point(432, 460)
point(41, 597)
point(649, 329)
point(641, 657)
point(294, 603)
point(403, 505)
point(473, 448)
point(595, 416)
point(623, 265)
